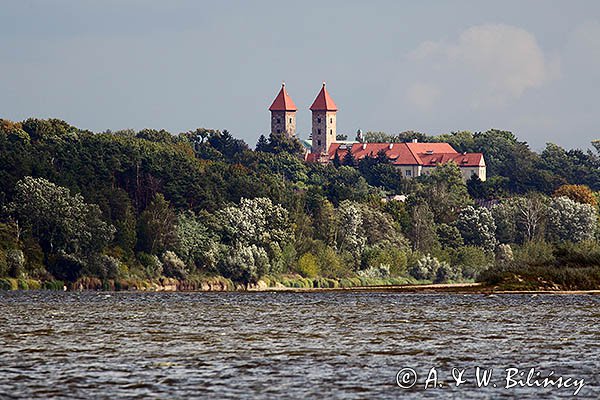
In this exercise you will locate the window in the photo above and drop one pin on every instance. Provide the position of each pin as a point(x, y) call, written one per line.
point(319, 142)
point(408, 172)
point(331, 131)
point(319, 131)
point(331, 120)
point(278, 120)
point(278, 130)
point(318, 120)
point(290, 120)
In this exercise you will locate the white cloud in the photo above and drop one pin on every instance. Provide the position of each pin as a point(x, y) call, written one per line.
point(501, 62)
point(422, 95)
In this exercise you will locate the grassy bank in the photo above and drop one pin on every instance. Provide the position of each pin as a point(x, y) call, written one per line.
point(200, 283)
point(537, 278)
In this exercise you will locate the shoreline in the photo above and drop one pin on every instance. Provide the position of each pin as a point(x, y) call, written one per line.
point(472, 288)
point(441, 288)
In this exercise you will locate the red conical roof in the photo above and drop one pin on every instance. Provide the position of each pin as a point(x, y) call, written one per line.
point(283, 102)
point(323, 102)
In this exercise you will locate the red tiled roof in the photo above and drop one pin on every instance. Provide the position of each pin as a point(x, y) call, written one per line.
point(428, 148)
point(323, 102)
point(405, 153)
point(283, 102)
point(398, 153)
point(461, 159)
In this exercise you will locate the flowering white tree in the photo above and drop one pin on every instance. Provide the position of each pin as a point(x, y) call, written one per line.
point(254, 234)
point(569, 220)
point(255, 221)
point(244, 263)
point(351, 236)
point(477, 227)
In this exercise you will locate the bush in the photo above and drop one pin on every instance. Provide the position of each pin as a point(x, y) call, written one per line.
point(53, 285)
point(535, 253)
point(425, 268)
point(308, 266)
point(173, 266)
point(582, 254)
point(15, 260)
point(3, 264)
point(390, 258)
point(380, 272)
point(471, 260)
point(152, 265)
point(7, 284)
point(67, 267)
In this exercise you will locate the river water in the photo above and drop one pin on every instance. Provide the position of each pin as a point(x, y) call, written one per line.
point(293, 345)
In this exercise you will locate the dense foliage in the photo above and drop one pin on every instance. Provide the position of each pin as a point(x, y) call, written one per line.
point(148, 204)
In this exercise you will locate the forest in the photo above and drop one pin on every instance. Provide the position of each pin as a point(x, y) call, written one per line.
point(117, 209)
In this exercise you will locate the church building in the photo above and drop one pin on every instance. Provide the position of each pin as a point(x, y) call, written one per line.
point(412, 159)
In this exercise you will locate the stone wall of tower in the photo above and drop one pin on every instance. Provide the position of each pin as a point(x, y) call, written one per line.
point(283, 121)
point(323, 130)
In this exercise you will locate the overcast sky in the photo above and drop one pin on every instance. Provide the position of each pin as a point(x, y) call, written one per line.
point(532, 67)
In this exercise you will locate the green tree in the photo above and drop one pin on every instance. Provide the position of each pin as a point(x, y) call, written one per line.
point(156, 228)
point(445, 192)
point(59, 220)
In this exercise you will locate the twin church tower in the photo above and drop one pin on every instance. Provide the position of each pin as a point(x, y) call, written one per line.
point(283, 118)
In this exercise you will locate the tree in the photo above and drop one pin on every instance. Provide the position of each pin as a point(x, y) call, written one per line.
point(529, 216)
point(308, 266)
point(569, 220)
point(262, 144)
point(59, 220)
point(445, 192)
point(579, 193)
point(156, 229)
point(244, 263)
point(249, 231)
point(349, 158)
point(227, 145)
point(422, 229)
point(351, 236)
point(449, 236)
point(194, 241)
point(280, 142)
point(153, 135)
point(477, 227)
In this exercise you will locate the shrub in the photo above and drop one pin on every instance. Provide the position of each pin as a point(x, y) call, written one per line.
point(173, 266)
point(471, 260)
point(53, 285)
point(582, 254)
point(15, 260)
point(534, 253)
point(9, 284)
point(67, 267)
point(425, 268)
point(380, 272)
point(3, 264)
point(152, 265)
point(308, 266)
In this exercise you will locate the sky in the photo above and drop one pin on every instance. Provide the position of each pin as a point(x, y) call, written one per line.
point(528, 66)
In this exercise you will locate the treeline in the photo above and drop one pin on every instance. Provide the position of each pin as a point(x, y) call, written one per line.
point(149, 204)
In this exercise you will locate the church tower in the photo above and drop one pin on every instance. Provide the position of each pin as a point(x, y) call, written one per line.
point(283, 113)
point(323, 122)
